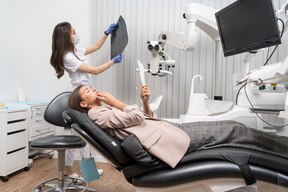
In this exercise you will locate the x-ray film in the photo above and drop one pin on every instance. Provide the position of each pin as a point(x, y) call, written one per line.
point(119, 38)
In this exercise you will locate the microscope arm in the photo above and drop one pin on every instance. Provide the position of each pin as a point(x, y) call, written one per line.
point(196, 15)
point(177, 39)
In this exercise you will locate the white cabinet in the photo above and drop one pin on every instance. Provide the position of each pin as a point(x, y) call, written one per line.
point(38, 127)
point(13, 140)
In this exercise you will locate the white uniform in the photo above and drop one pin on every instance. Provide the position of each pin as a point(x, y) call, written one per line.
point(71, 64)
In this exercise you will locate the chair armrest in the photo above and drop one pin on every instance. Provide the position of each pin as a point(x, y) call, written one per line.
point(132, 146)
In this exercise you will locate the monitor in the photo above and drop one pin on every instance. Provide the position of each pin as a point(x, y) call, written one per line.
point(247, 25)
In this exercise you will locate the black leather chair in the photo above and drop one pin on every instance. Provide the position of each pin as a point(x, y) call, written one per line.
point(219, 169)
point(53, 115)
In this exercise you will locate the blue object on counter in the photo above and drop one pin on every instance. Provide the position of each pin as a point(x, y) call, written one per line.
point(28, 102)
point(17, 105)
point(11, 107)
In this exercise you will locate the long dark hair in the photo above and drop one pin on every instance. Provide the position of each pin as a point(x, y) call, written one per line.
point(61, 44)
point(75, 99)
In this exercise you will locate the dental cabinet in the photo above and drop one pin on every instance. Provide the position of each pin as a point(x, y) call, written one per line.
point(14, 147)
point(20, 123)
point(38, 127)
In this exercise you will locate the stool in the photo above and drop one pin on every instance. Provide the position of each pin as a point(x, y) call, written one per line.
point(53, 115)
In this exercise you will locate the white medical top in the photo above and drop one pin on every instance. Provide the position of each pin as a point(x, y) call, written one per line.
point(72, 63)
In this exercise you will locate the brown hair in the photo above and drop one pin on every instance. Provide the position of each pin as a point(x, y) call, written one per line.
point(75, 99)
point(61, 44)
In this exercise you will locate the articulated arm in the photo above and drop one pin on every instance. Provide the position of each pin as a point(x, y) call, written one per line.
point(270, 74)
point(196, 15)
point(276, 73)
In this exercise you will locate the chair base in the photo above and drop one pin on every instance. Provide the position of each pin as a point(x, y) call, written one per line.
point(52, 184)
point(208, 185)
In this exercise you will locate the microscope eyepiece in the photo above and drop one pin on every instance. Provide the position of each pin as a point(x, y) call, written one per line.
point(150, 47)
point(156, 47)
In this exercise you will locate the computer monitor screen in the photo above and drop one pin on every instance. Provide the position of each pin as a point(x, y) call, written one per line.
point(247, 25)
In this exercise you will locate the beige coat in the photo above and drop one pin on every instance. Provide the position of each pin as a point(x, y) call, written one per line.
point(160, 138)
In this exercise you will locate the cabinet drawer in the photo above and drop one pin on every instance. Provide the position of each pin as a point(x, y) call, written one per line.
point(39, 108)
point(16, 141)
point(42, 130)
point(37, 121)
point(38, 111)
point(17, 160)
point(16, 115)
point(13, 126)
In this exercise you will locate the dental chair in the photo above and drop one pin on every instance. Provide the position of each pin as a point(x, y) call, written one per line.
point(53, 115)
point(211, 170)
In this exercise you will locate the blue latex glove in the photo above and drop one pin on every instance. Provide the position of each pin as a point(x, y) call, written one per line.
point(117, 59)
point(111, 28)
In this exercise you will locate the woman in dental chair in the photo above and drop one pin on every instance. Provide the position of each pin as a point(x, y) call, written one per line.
point(167, 141)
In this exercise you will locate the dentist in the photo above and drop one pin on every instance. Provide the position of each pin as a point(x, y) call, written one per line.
point(66, 57)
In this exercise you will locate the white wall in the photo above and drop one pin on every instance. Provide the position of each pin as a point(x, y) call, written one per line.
point(25, 48)
point(26, 35)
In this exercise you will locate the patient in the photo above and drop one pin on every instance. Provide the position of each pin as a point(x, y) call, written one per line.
point(169, 142)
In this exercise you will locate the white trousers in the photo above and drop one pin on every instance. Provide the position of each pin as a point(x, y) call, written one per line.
point(69, 157)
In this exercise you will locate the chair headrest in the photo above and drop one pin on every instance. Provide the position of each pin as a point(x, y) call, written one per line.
point(54, 110)
point(71, 116)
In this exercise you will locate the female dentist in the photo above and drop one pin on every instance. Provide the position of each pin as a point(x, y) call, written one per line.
point(65, 56)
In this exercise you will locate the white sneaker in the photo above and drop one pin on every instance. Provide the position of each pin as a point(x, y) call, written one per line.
point(76, 176)
point(100, 171)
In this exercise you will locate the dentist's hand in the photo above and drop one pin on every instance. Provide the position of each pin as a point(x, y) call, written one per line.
point(111, 28)
point(117, 59)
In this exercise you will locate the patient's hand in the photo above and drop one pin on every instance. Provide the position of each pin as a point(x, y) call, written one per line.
point(109, 99)
point(145, 93)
